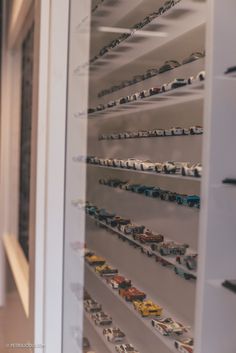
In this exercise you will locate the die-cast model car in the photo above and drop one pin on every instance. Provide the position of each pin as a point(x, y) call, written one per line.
point(171, 167)
point(125, 348)
point(130, 163)
point(154, 90)
point(201, 76)
point(177, 83)
point(106, 270)
point(167, 195)
point(188, 200)
point(177, 131)
point(147, 250)
point(113, 334)
point(131, 229)
point(180, 272)
point(168, 326)
point(95, 260)
point(171, 248)
point(133, 134)
point(132, 293)
point(158, 167)
point(184, 345)
point(117, 162)
point(193, 57)
point(168, 132)
point(190, 261)
point(145, 165)
point(143, 133)
point(196, 130)
point(157, 132)
point(186, 131)
point(147, 308)
point(102, 319)
point(149, 237)
point(117, 282)
point(91, 306)
point(155, 192)
point(192, 169)
point(113, 222)
point(169, 65)
point(103, 215)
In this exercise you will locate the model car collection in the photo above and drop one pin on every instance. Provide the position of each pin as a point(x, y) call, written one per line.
point(169, 86)
point(166, 253)
point(168, 167)
point(173, 131)
point(168, 65)
point(152, 191)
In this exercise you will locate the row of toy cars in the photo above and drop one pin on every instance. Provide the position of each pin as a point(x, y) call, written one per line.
point(174, 131)
point(150, 243)
point(166, 326)
point(138, 26)
point(176, 83)
point(114, 335)
point(168, 167)
point(167, 66)
point(154, 191)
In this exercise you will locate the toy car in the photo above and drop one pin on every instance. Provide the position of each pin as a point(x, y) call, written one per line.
point(188, 200)
point(171, 248)
point(133, 134)
point(184, 345)
point(131, 229)
point(149, 237)
point(113, 334)
point(147, 308)
point(177, 83)
point(168, 132)
point(155, 192)
point(103, 215)
point(119, 282)
point(154, 90)
point(113, 222)
point(186, 131)
point(196, 130)
point(193, 57)
point(183, 274)
point(177, 131)
point(167, 195)
point(158, 167)
point(143, 133)
point(170, 167)
point(192, 169)
point(95, 260)
point(91, 306)
point(102, 319)
point(190, 261)
point(130, 163)
point(132, 293)
point(169, 65)
point(125, 348)
point(168, 326)
point(157, 132)
point(201, 76)
point(117, 162)
point(146, 166)
point(106, 270)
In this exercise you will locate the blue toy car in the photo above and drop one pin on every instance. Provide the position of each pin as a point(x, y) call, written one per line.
point(188, 200)
point(154, 192)
point(183, 274)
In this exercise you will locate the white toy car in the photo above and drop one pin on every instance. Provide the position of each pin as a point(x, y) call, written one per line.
point(201, 76)
point(168, 326)
point(177, 131)
point(196, 130)
point(158, 167)
point(177, 83)
point(123, 163)
point(184, 345)
point(168, 132)
point(114, 136)
point(194, 170)
point(143, 133)
point(186, 131)
point(101, 319)
point(125, 348)
point(133, 134)
point(114, 334)
point(130, 163)
point(157, 132)
point(170, 167)
point(109, 162)
point(91, 306)
point(102, 161)
point(117, 162)
point(145, 165)
point(122, 135)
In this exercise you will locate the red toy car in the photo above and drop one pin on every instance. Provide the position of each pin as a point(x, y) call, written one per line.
point(119, 282)
point(131, 294)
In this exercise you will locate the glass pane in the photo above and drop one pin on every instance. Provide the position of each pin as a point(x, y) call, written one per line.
point(134, 146)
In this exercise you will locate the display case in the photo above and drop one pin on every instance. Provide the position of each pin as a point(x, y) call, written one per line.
point(136, 89)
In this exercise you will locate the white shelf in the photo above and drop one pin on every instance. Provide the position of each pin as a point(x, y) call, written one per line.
point(180, 95)
point(175, 176)
point(184, 17)
point(132, 314)
point(170, 259)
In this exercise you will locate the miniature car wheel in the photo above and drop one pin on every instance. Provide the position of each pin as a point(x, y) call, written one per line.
point(190, 203)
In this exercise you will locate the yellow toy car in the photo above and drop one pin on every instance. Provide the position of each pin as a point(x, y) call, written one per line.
point(95, 260)
point(106, 270)
point(147, 308)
